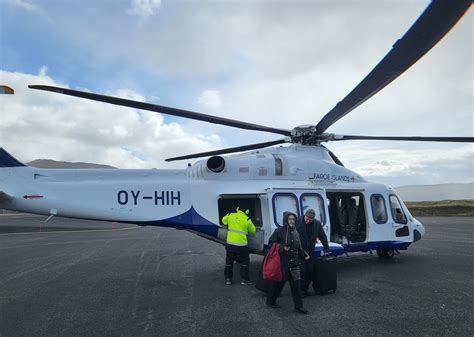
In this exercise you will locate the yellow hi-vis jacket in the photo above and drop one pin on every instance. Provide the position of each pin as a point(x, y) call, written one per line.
point(238, 226)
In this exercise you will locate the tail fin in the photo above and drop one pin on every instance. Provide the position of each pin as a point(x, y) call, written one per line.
point(7, 160)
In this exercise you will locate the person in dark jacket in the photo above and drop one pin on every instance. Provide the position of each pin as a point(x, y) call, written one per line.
point(310, 229)
point(290, 254)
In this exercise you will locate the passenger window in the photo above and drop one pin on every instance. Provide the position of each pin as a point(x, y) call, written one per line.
point(379, 212)
point(283, 202)
point(397, 210)
point(314, 201)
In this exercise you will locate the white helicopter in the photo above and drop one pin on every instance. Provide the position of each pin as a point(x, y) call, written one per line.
point(356, 215)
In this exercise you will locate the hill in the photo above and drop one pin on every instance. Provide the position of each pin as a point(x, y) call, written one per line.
point(442, 208)
point(48, 163)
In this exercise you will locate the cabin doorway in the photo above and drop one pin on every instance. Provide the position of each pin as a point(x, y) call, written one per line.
point(228, 203)
point(347, 215)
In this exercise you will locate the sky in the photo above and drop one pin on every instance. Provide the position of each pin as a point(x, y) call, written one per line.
point(277, 63)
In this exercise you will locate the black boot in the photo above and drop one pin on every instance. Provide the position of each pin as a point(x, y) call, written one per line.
point(301, 311)
point(273, 305)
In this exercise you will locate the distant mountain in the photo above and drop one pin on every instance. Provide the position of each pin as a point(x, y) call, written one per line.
point(48, 163)
point(436, 192)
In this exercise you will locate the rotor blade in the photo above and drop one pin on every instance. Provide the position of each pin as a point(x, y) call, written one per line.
point(161, 109)
point(232, 149)
point(413, 138)
point(438, 18)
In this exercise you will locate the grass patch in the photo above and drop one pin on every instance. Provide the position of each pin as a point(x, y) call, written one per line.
point(441, 208)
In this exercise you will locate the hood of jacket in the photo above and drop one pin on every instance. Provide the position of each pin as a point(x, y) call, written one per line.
point(285, 217)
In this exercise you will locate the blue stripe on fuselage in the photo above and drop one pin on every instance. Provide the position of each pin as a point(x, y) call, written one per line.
point(367, 246)
point(190, 220)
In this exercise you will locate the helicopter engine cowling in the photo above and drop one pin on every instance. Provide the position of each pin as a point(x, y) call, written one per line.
point(296, 162)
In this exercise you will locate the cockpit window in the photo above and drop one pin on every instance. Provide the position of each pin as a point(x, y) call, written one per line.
point(397, 210)
point(379, 212)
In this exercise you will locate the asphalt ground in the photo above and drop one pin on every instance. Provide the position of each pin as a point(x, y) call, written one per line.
point(86, 278)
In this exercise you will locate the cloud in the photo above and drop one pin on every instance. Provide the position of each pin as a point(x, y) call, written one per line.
point(280, 64)
point(262, 39)
point(28, 6)
point(42, 72)
point(387, 168)
point(417, 166)
point(210, 99)
point(35, 124)
point(144, 8)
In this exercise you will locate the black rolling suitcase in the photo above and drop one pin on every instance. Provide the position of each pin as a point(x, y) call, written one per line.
point(260, 283)
point(325, 275)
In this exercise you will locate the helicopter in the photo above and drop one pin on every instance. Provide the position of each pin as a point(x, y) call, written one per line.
point(266, 179)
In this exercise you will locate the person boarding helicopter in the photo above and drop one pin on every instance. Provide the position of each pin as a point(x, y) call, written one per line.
point(239, 225)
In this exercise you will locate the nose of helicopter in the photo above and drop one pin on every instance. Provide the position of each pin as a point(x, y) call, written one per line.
point(419, 230)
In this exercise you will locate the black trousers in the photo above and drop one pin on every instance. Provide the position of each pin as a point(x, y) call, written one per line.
point(240, 255)
point(307, 268)
point(277, 287)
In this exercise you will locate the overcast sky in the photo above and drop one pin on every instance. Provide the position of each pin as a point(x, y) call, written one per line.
point(277, 63)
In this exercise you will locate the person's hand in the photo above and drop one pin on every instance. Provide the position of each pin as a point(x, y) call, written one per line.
point(286, 248)
point(326, 253)
point(306, 257)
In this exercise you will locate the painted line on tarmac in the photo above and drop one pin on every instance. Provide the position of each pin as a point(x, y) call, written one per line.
point(21, 215)
point(79, 231)
point(67, 243)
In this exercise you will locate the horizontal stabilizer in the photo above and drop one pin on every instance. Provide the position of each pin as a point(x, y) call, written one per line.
point(7, 160)
point(5, 197)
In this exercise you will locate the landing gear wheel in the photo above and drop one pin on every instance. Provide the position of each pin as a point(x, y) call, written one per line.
point(385, 253)
point(388, 253)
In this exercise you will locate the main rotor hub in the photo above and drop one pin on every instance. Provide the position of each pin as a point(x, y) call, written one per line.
point(308, 135)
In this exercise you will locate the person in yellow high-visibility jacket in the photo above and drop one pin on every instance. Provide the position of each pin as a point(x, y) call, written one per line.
point(238, 226)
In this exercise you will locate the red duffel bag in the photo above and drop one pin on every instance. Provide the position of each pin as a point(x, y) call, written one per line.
point(272, 269)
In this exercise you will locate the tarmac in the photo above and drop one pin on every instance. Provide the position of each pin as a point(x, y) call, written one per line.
point(87, 278)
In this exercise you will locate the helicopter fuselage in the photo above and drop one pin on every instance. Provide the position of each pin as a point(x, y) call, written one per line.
point(356, 215)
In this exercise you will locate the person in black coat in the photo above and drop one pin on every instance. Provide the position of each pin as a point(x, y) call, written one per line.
point(310, 230)
point(290, 254)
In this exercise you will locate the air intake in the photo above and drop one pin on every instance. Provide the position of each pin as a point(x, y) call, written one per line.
point(216, 164)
